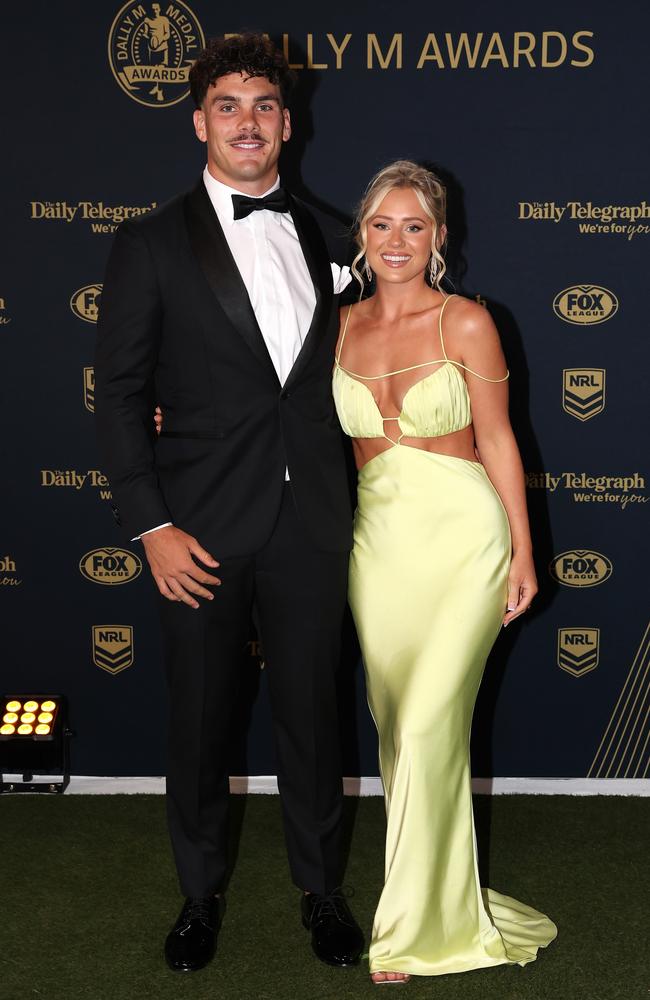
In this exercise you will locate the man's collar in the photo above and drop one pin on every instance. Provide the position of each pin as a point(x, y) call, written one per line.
point(220, 195)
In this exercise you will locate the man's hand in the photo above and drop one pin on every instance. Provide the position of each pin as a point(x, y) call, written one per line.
point(169, 552)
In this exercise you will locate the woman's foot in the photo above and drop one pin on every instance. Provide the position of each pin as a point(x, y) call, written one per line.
point(380, 978)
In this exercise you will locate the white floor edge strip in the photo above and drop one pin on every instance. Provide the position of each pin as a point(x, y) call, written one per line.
point(267, 785)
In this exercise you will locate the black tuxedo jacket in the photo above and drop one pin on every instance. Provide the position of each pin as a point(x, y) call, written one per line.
point(177, 328)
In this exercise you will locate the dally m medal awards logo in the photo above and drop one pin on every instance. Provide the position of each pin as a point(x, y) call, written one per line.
point(578, 650)
point(581, 568)
point(585, 305)
point(113, 647)
point(583, 395)
point(85, 302)
point(150, 51)
point(89, 389)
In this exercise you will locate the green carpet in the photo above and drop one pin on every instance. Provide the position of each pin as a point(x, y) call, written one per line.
point(89, 894)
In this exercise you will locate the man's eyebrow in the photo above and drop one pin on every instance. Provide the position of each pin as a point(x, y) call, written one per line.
point(237, 100)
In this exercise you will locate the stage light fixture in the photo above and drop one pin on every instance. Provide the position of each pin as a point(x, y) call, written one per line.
point(34, 740)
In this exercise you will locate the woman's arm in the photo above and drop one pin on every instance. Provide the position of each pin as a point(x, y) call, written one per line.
point(474, 337)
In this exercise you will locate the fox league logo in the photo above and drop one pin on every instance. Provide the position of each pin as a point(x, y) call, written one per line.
point(578, 650)
point(581, 568)
point(85, 302)
point(110, 566)
point(585, 305)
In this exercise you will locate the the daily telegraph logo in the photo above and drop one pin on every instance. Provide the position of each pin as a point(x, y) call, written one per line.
point(583, 487)
point(74, 480)
point(581, 568)
point(585, 305)
point(103, 218)
point(110, 566)
point(4, 319)
point(578, 650)
point(85, 302)
point(112, 647)
point(8, 571)
point(151, 48)
point(583, 392)
point(89, 389)
point(590, 219)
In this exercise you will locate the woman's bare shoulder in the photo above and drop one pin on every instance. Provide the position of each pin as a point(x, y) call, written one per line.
point(467, 322)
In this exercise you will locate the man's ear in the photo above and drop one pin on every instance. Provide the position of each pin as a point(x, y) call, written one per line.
point(286, 129)
point(199, 125)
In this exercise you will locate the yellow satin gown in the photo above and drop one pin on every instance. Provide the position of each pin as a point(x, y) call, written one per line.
point(428, 590)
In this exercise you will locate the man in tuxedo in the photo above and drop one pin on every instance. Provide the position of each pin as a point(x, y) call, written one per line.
point(220, 307)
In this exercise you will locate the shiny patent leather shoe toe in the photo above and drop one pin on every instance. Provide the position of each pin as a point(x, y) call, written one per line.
point(336, 938)
point(192, 942)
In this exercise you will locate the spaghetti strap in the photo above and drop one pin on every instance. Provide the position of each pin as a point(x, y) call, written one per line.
point(398, 371)
point(345, 330)
point(483, 378)
point(442, 309)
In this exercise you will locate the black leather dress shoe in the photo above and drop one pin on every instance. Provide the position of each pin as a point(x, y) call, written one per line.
point(192, 942)
point(335, 935)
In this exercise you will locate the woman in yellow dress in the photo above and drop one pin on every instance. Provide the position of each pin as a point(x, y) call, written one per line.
point(441, 560)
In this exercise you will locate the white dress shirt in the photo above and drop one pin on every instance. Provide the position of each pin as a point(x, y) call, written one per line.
point(270, 260)
point(268, 255)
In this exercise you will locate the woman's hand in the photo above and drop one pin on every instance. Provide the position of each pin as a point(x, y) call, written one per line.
point(522, 585)
point(158, 419)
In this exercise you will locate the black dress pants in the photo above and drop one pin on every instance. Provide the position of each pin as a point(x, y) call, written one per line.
point(300, 596)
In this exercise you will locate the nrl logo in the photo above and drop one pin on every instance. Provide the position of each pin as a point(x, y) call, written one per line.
point(583, 395)
point(578, 650)
point(113, 647)
point(89, 389)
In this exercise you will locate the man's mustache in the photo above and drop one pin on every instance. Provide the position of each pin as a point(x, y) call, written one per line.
point(254, 137)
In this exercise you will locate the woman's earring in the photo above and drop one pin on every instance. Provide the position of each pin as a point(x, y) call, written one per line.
point(433, 270)
point(366, 268)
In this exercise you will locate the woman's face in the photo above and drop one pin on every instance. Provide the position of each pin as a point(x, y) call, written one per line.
point(399, 237)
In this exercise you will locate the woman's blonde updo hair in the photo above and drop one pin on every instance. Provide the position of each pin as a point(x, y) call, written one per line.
point(429, 192)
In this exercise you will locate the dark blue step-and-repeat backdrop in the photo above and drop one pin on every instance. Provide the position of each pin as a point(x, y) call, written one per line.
point(535, 118)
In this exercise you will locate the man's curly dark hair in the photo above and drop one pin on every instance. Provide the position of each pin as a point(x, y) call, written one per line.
point(249, 54)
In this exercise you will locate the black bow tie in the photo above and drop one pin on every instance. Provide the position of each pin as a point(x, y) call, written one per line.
point(276, 201)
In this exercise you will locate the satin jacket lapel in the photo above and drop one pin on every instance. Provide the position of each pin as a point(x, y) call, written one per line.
point(213, 254)
point(317, 259)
